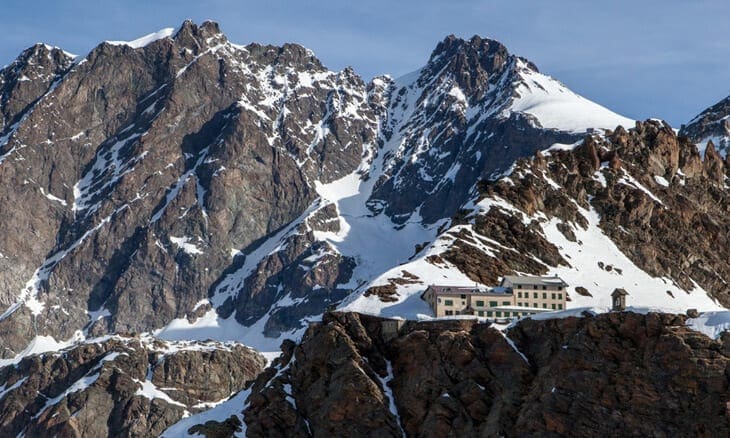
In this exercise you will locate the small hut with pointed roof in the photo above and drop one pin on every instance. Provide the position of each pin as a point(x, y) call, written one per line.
point(619, 299)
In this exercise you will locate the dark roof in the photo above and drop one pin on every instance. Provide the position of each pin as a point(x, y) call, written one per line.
point(464, 290)
point(619, 292)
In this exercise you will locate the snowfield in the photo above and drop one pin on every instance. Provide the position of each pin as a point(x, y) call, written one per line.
point(557, 107)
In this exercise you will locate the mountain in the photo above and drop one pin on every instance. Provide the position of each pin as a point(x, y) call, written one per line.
point(181, 188)
point(181, 177)
point(711, 125)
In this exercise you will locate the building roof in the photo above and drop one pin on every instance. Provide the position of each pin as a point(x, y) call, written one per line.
point(619, 292)
point(520, 309)
point(462, 290)
point(535, 280)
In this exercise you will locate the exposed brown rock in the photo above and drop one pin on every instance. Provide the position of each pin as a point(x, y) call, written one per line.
point(611, 374)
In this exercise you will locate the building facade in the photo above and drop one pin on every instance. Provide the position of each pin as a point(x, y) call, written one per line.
point(517, 296)
point(548, 293)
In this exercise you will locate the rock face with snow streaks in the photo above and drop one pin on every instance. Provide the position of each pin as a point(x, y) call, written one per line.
point(143, 168)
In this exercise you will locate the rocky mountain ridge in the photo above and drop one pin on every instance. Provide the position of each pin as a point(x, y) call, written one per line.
point(612, 210)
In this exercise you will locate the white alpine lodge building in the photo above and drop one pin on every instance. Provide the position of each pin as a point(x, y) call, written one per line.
point(515, 297)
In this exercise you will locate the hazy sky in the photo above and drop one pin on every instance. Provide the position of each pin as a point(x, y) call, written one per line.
point(668, 59)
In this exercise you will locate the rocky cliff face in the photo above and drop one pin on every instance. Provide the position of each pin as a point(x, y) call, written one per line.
point(589, 376)
point(140, 169)
point(120, 386)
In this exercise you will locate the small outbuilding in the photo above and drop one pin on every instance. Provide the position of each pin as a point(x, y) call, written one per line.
point(619, 299)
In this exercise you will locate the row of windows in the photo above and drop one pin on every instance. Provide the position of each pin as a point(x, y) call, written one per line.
point(480, 303)
point(499, 314)
point(544, 305)
point(535, 295)
point(495, 314)
point(519, 286)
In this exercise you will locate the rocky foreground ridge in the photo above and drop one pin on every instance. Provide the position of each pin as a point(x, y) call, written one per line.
point(596, 375)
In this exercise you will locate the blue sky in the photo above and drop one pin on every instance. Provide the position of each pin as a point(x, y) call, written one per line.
point(667, 59)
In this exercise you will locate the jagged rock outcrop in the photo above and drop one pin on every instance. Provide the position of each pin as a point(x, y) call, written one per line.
point(607, 374)
point(120, 387)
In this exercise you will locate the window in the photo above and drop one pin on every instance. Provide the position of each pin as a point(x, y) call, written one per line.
point(560, 307)
point(534, 295)
point(544, 288)
point(519, 294)
point(553, 306)
point(480, 303)
point(519, 304)
point(449, 312)
point(519, 286)
point(463, 297)
point(560, 287)
point(493, 304)
point(544, 305)
point(498, 314)
point(448, 302)
point(481, 313)
point(506, 303)
point(489, 313)
point(534, 305)
point(553, 296)
point(560, 296)
point(439, 300)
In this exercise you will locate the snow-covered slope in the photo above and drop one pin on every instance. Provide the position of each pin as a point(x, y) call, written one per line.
point(555, 106)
